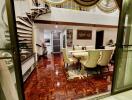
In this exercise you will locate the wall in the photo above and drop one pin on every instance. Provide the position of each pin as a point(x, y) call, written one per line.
point(66, 15)
point(44, 31)
point(109, 33)
point(47, 35)
point(39, 36)
point(83, 42)
point(21, 7)
point(39, 33)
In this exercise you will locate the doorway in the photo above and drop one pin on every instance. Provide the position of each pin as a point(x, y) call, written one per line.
point(99, 39)
point(56, 42)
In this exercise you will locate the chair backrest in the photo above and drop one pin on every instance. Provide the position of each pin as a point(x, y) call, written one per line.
point(93, 56)
point(77, 47)
point(90, 47)
point(65, 55)
point(105, 57)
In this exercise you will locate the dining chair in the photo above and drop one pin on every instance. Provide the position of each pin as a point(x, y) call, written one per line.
point(68, 60)
point(105, 58)
point(91, 61)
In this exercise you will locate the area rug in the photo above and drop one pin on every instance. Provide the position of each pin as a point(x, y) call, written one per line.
point(75, 73)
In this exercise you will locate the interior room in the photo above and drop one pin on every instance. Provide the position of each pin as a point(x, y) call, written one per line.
point(66, 48)
point(74, 52)
point(65, 54)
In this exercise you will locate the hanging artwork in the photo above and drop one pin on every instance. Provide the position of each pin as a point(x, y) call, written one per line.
point(69, 37)
point(84, 34)
point(107, 6)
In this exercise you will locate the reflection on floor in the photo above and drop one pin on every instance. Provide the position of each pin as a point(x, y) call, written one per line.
point(49, 81)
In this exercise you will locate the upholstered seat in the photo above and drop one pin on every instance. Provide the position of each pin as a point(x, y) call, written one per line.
point(68, 60)
point(91, 60)
point(105, 58)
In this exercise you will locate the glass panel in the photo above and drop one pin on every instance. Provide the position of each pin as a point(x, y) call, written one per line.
point(128, 70)
point(123, 70)
point(2, 96)
point(7, 74)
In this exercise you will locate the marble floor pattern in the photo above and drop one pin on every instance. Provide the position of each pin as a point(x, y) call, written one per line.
point(49, 81)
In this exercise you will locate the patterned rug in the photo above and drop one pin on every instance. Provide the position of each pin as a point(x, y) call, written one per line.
point(76, 73)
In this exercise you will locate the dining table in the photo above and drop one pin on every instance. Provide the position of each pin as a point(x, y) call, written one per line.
point(79, 54)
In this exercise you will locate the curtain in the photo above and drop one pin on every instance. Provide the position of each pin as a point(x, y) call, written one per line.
point(86, 2)
point(119, 3)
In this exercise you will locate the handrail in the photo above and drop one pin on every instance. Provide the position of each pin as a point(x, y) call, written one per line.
point(38, 45)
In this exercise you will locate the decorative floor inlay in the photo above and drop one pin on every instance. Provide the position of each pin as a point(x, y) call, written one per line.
point(49, 81)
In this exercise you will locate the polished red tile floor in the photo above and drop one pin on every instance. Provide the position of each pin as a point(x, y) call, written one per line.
point(49, 81)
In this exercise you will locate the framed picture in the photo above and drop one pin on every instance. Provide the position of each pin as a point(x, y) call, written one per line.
point(69, 37)
point(84, 34)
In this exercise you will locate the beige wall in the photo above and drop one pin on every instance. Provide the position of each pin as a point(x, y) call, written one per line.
point(109, 33)
point(67, 15)
point(83, 42)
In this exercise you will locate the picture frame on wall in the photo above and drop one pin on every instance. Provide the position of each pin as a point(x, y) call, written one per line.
point(69, 37)
point(84, 34)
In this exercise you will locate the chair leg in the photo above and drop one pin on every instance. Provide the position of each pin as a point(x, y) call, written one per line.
point(100, 69)
point(82, 69)
point(107, 68)
point(97, 68)
point(87, 73)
